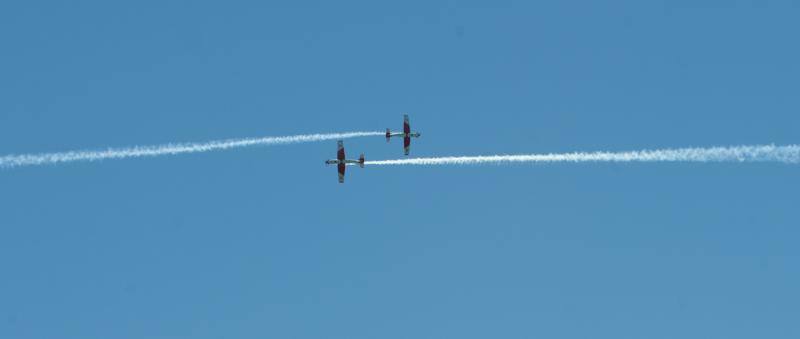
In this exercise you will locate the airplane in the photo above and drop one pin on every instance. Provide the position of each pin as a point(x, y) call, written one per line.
point(406, 134)
point(342, 162)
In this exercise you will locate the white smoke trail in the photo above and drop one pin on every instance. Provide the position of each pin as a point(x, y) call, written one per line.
point(10, 161)
point(757, 153)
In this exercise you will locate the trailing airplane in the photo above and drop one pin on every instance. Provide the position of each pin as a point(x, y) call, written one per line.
point(406, 134)
point(342, 162)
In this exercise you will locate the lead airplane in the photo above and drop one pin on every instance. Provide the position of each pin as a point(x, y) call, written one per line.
point(342, 162)
point(406, 134)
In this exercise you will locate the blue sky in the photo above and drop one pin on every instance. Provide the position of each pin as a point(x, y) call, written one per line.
point(263, 242)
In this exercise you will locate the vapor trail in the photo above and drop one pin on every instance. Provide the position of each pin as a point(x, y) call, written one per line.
point(755, 153)
point(10, 161)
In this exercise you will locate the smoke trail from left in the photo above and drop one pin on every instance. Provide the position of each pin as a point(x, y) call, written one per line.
point(19, 160)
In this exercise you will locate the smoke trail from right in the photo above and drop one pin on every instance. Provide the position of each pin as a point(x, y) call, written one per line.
point(18, 160)
point(755, 153)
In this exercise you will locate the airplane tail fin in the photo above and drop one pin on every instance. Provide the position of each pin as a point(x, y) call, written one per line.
point(361, 161)
point(388, 134)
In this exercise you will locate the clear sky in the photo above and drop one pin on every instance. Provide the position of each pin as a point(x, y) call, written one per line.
point(264, 243)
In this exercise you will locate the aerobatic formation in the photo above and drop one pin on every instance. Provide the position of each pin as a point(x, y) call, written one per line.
point(788, 154)
point(341, 161)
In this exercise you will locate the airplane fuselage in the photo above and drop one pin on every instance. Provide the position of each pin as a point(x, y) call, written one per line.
point(405, 135)
point(337, 161)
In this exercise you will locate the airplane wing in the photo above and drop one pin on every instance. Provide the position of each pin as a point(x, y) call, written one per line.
point(406, 144)
point(406, 124)
point(340, 153)
point(342, 167)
